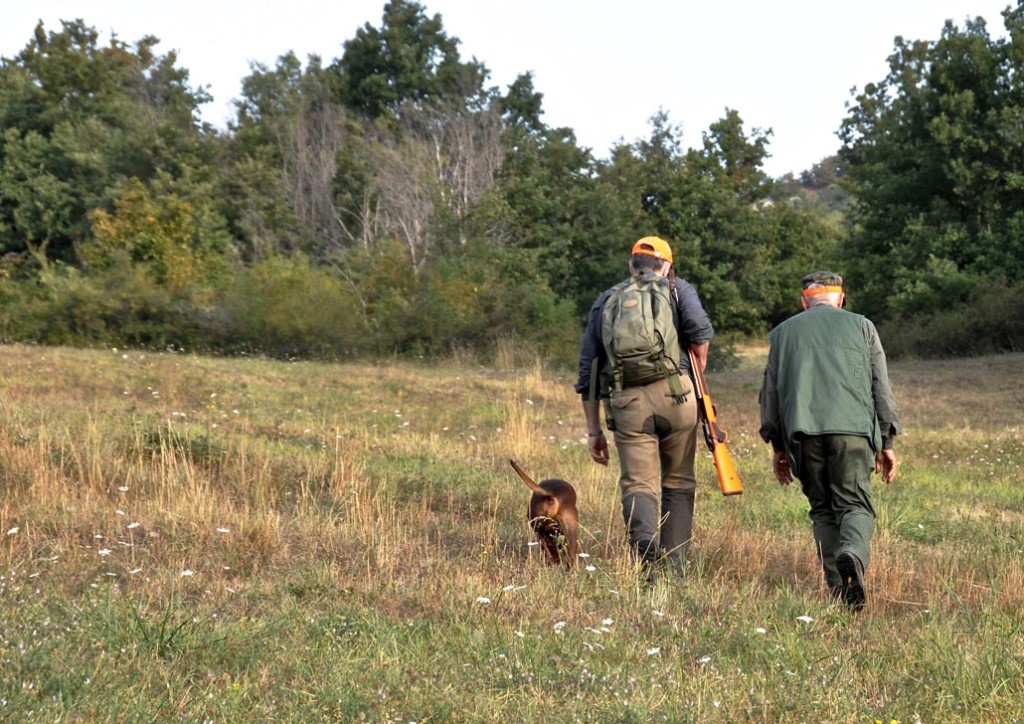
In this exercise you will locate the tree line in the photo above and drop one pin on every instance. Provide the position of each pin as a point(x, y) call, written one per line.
point(391, 201)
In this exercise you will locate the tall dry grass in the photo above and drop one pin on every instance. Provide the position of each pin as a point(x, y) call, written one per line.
point(238, 539)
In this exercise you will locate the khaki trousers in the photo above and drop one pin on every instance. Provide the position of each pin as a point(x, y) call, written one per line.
point(656, 441)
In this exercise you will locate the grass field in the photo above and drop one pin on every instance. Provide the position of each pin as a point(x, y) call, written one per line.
point(238, 540)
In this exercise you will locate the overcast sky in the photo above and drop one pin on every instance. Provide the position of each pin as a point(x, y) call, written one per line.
point(604, 66)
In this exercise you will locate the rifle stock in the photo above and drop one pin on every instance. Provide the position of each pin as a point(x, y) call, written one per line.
point(715, 437)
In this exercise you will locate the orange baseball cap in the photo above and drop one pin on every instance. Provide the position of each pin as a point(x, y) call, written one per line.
point(653, 246)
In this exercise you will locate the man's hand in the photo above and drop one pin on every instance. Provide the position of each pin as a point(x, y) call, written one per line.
point(885, 463)
point(599, 448)
point(780, 466)
point(700, 351)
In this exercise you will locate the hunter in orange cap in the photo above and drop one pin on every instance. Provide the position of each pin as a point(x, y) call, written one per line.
point(634, 361)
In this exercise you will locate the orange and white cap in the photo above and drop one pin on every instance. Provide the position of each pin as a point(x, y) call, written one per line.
point(653, 246)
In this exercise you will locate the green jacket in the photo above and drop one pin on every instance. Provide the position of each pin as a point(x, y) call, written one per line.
point(827, 374)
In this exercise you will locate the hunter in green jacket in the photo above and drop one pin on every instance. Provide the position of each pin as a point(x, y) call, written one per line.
point(828, 411)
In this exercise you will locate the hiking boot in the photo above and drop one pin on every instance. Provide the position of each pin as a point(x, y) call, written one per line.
point(676, 527)
point(852, 571)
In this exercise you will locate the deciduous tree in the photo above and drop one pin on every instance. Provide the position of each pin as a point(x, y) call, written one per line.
point(78, 118)
point(932, 153)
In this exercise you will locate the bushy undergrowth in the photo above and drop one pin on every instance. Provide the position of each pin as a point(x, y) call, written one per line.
point(371, 306)
point(367, 306)
point(992, 321)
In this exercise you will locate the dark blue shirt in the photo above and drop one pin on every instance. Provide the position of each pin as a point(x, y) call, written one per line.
point(694, 329)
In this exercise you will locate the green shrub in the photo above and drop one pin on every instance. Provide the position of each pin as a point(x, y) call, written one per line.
point(481, 294)
point(117, 305)
point(288, 307)
point(991, 321)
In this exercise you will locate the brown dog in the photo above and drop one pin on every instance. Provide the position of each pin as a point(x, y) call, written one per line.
point(553, 516)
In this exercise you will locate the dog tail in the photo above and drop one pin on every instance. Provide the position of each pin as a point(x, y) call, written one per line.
point(529, 481)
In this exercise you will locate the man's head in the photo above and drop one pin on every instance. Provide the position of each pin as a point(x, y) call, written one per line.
point(651, 254)
point(822, 287)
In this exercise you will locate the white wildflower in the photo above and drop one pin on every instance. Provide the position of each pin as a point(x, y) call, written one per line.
point(483, 600)
point(607, 622)
point(132, 526)
point(654, 651)
point(805, 619)
point(105, 552)
point(590, 569)
point(13, 530)
point(704, 660)
point(761, 630)
point(560, 625)
point(187, 572)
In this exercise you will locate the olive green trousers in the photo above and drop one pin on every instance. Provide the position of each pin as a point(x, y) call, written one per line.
point(835, 474)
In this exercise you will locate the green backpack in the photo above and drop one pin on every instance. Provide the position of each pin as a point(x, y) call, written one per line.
point(639, 334)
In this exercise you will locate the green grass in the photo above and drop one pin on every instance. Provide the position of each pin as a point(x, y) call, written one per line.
point(236, 540)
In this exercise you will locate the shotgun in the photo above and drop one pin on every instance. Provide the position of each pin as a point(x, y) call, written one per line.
point(728, 478)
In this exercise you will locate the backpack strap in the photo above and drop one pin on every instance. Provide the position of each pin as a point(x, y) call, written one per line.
point(674, 386)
